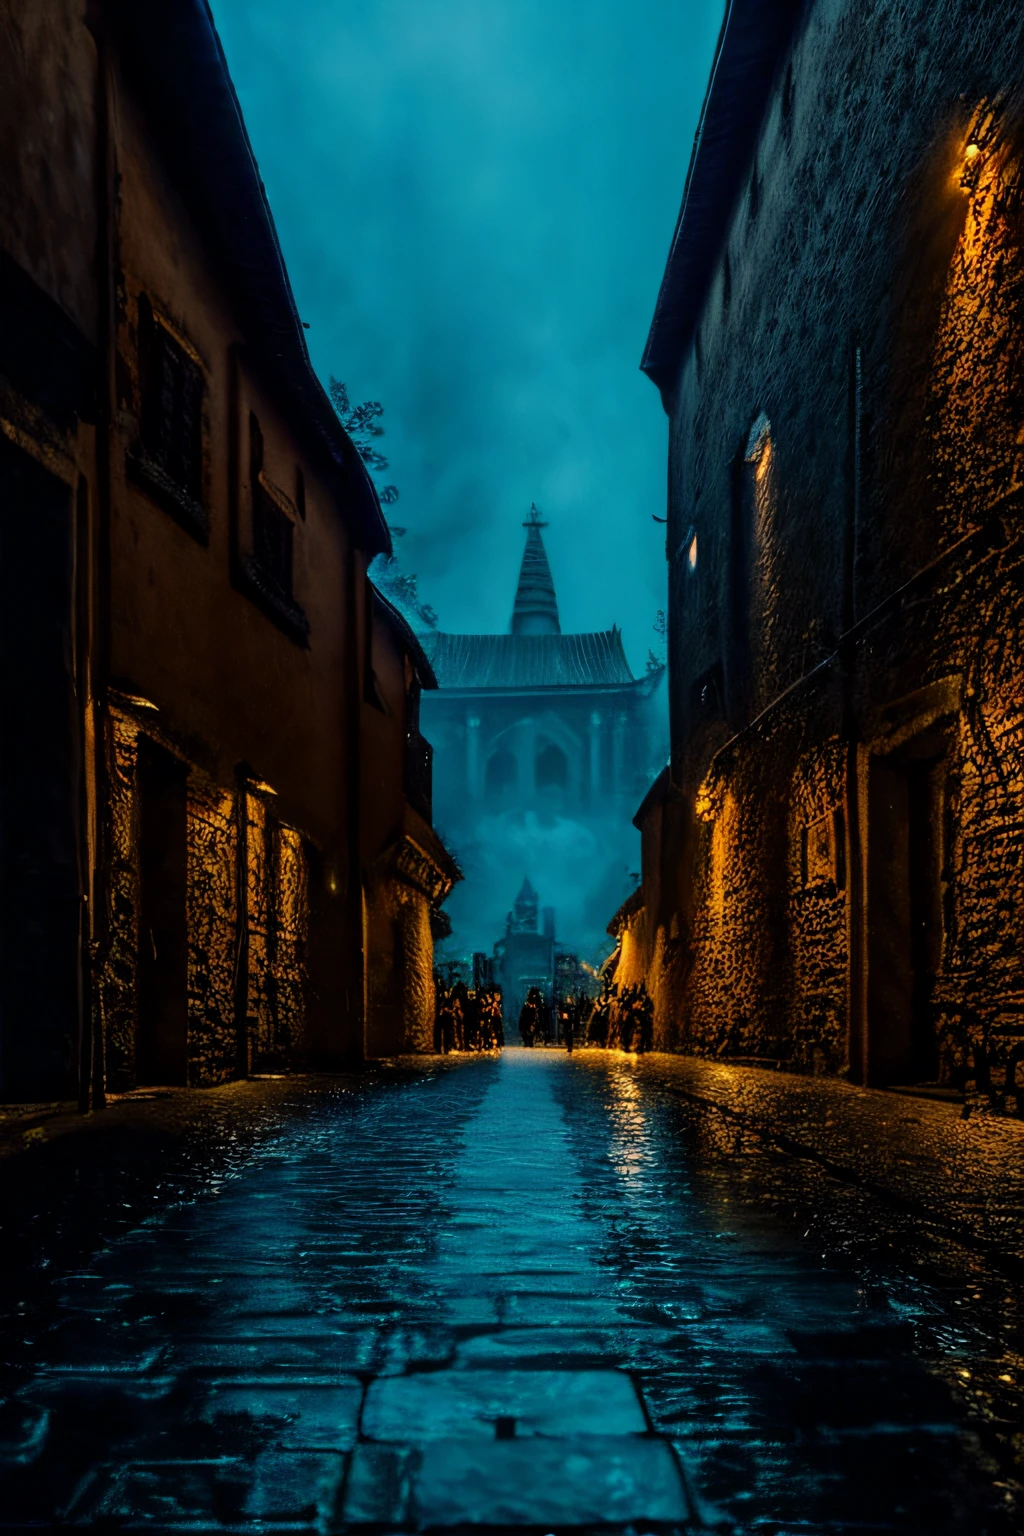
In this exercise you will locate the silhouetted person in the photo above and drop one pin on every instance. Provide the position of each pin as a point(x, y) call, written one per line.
point(567, 1023)
point(440, 993)
point(645, 1033)
point(598, 1032)
point(471, 1022)
point(447, 1016)
point(531, 1017)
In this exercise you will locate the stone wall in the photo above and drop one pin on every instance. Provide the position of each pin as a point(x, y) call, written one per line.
point(399, 967)
point(276, 931)
point(852, 403)
point(212, 924)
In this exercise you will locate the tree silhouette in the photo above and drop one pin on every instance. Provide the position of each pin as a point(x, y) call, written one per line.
point(362, 423)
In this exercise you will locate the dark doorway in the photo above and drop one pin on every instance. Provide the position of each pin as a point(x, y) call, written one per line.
point(161, 1055)
point(906, 826)
point(39, 778)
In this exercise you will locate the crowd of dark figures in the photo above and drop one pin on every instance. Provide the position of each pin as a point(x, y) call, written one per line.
point(466, 1019)
point(619, 1018)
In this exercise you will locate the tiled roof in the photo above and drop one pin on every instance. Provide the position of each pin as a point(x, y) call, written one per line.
point(529, 661)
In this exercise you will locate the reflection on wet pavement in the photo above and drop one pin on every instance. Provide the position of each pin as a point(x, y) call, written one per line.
point(528, 1292)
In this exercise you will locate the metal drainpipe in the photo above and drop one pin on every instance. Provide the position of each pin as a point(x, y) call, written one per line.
point(93, 1085)
point(856, 929)
point(355, 991)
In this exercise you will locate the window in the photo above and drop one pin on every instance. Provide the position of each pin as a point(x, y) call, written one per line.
point(268, 571)
point(272, 527)
point(167, 461)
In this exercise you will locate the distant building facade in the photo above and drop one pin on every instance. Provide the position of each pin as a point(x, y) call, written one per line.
point(833, 867)
point(542, 740)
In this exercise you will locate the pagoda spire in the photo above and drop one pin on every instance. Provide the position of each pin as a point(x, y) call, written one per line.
point(536, 609)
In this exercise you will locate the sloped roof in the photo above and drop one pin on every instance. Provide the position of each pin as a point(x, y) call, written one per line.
point(755, 38)
point(400, 624)
point(174, 55)
point(535, 611)
point(524, 662)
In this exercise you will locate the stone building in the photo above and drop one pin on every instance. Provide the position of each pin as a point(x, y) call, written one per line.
point(542, 742)
point(407, 871)
point(833, 869)
point(186, 530)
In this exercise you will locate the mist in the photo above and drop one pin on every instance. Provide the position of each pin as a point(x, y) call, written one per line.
point(475, 199)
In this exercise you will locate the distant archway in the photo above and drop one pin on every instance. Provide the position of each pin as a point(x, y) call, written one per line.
point(551, 768)
point(502, 773)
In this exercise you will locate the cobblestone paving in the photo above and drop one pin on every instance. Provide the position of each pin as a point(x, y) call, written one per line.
point(526, 1293)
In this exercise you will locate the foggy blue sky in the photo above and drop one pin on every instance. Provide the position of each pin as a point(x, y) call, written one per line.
point(475, 200)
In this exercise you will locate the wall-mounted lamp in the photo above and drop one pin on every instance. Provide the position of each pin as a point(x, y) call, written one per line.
point(132, 701)
point(972, 166)
point(247, 775)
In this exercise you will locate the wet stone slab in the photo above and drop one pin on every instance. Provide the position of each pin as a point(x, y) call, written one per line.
point(521, 1295)
point(548, 1483)
point(441, 1404)
point(297, 1417)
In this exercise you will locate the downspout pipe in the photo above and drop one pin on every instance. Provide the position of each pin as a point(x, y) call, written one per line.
point(92, 1088)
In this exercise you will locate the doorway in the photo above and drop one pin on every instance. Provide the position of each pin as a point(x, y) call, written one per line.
point(39, 785)
point(906, 857)
point(161, 1053)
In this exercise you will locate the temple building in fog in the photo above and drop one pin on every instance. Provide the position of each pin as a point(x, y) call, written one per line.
point(544, 742)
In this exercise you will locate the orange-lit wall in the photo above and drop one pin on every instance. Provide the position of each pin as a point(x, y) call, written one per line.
point(867, 243)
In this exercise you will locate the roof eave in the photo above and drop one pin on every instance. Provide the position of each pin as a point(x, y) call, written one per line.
point(425, 674)
point(756, 35)
point(205, 143)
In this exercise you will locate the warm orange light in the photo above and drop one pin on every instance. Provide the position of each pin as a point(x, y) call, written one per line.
point(971, 154)
point(692, 556)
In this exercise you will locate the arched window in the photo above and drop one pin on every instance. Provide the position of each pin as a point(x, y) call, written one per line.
point(502, 773)
point(551, 769)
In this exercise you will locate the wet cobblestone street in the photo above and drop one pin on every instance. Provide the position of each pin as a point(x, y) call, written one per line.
point(520, 1292)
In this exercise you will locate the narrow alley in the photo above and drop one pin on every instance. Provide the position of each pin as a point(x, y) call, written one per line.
point(521, 1292)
